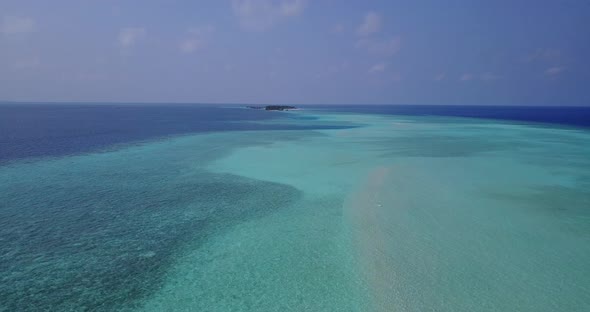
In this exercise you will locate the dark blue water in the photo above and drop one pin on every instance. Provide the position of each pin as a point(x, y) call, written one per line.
point(576, 116)
point(40, 130)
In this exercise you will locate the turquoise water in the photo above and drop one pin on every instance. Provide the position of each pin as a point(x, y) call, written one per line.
point(401, 213)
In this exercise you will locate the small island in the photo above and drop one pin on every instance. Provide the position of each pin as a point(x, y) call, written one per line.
point(273, 107)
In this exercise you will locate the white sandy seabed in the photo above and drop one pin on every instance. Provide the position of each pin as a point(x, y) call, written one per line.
point(401, 214)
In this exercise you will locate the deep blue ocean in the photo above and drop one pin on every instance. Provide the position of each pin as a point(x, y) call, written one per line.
point(576, 116)
point(42, 130)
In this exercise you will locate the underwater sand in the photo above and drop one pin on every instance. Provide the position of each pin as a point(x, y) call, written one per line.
point(397, 214)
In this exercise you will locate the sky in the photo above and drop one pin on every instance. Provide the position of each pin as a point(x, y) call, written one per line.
point(454, 52)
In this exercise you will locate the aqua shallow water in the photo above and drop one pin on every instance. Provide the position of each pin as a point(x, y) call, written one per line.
point(397, 214)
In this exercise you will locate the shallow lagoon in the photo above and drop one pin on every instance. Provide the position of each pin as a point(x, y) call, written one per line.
point(397, 213)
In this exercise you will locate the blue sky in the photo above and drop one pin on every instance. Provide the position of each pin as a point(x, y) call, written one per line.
point(500, 52)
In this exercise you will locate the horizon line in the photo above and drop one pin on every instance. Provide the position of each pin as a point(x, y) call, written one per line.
point(331, 104)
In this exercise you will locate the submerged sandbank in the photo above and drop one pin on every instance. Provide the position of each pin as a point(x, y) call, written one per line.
point(405, 214)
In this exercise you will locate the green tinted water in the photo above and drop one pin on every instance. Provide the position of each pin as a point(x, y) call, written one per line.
point(399, 214)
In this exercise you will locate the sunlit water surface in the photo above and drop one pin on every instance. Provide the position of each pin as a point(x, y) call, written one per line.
point(308, 211)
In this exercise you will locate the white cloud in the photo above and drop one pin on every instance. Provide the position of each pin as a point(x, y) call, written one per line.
point(554, 71)
point(292, 8)
point(260, 15)
point(334, 69)
point(371, 24)
point(440, 77)
point(338, 28)
point(202, 31)
point(130, 35)
point(546, 55)
point(466, 77)
point(483, 77)
point(190, 45)
point(386, 47)
point(489, 77)
point(17, 25)
point(377, 68)
point(196, 40)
